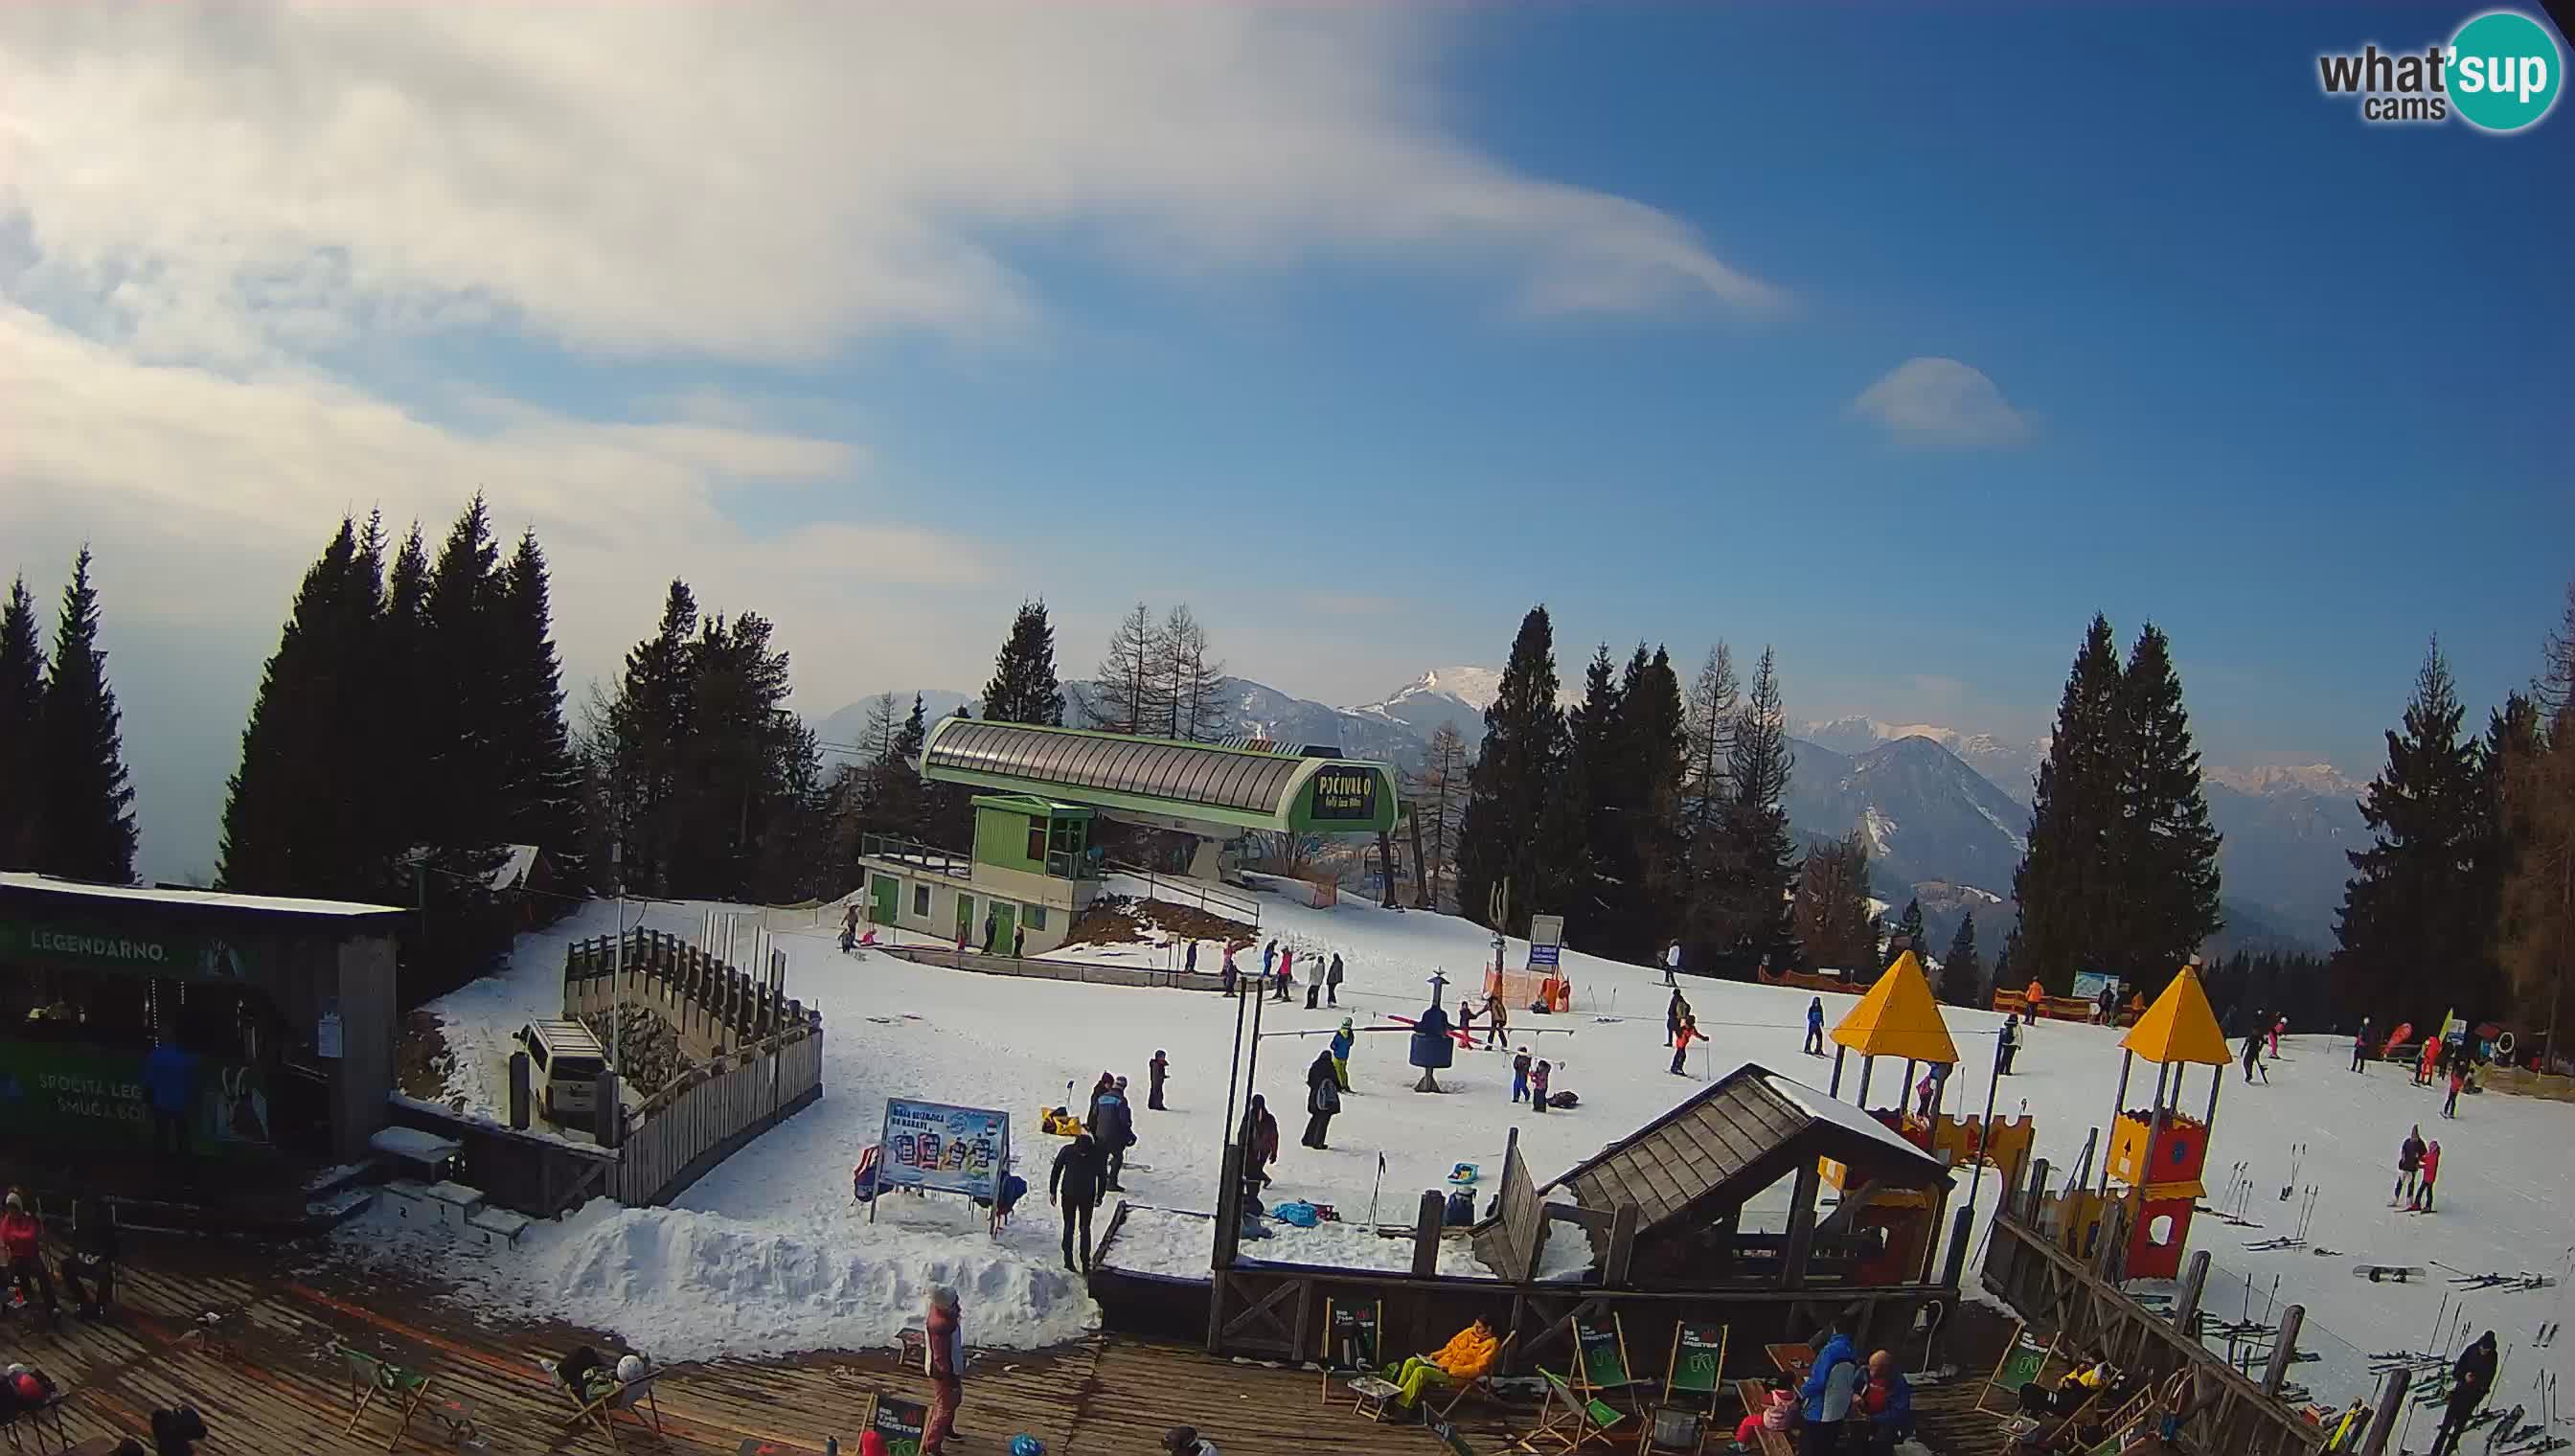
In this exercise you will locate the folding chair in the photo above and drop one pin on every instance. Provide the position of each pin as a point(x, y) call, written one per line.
point(601, 1409)
point(1601, 1359)
point(37, 1417)
point(2050, 1433)
point(369, 1377)
point(1693, 1378)
point(1568, 1420)
point(1482, 1384)
point(2021, 1364)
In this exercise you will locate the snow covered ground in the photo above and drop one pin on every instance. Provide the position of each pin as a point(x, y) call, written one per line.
point(770, 1253)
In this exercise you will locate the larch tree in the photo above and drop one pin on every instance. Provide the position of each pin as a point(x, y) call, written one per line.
point(1188, 682)
point(1126, 696)
point(1437, 793)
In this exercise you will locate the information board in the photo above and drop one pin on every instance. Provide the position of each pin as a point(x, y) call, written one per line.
point(2088, 984)
point(937, 1148)
point(1352, 1338)
point(899, 1423)
point(1544, 958)
point(1345, 793)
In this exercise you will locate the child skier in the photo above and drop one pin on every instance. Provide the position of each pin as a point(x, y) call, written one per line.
point(2409, 1161)
point(1520, 1076)
point(1538, 1087)
point(2010, 1046)
point(1815, 1026)
point(2360, 1047)
point(1342, 1040)
point(2431, 1169)
point(1682, 1039)
point(2277, 1028)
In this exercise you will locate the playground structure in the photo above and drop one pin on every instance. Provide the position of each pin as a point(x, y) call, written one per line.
point(2150, 1175)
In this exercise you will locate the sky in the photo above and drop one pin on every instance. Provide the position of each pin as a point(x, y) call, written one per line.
point(1902, 340)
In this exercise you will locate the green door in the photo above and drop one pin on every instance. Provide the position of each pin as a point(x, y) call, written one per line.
point(886, 888)
point(966, 926)
point(1003, 911)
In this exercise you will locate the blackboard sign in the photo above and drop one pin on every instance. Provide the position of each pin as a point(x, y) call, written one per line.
point(1352, 1337)
point(1345, 793)
point(900, 1422)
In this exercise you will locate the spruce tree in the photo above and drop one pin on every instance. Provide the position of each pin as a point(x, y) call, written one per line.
point(1656, 754)
point(1908, 929)
point(22, 716)
point(2062, 887)
point(85, 825)
point(1024, 686)
point(645, 732)
point(1754, 903)
point(399, 684)
point(2411, 931)
point(1514, 777)
point(1962, 973)
point(467, 711)
point(2163, 851)
point(1593, 888)
point(297, 819)
point(541, 784)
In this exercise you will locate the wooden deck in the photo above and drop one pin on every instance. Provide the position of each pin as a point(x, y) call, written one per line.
point(279, 1391)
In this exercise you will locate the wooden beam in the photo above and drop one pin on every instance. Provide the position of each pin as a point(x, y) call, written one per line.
point(1801, 1225)
point(1622, 1245)
point(1586, 1217)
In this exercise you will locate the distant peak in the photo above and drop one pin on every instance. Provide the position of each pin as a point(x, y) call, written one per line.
point(2322, 780)
point(1471, 686)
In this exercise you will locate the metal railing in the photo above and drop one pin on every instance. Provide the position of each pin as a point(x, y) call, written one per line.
point(1197, 893)
point(918, 855)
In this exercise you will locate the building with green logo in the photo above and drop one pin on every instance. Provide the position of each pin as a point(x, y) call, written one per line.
point(140, 1026)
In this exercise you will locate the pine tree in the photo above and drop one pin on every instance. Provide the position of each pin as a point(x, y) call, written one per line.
point(541, 784)
point(644, 740)
point(22, 714)
point(1908, 929)
point(1437, 793)
point(85, 825)
point(1654, 751)
point(399, 684)
point(2063, 887)
point(2163, 851)
point(1592, 890)
point(2411, 931)
point(1753, 902)
point(1513, 778)
point(1024, 686)
point(297, 815)
point(1962, 973)
point(1127, 697)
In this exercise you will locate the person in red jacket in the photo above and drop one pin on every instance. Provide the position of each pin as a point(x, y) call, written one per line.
point(2431, 1170)
point(1682, 1037)
point(22, 1238)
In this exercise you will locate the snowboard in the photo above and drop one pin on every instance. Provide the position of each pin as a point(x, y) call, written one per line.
point(2511, 1423)
point(2388, 1273)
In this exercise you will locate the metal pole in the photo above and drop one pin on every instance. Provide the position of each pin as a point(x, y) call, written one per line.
point(2118, 1103)
point(1985, 1134)
point(617, 962)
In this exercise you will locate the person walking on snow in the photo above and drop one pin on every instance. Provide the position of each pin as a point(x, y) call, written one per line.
point(1814, 1026)
point(1673, 964)
point(2471, 1380)
point(1113, 1124)
point(1520, 1076)
point(1259, 1141)
point(1018, 942)
point(992, 927)
point(1538, 1087)
point(1189, 957)
point(1287, 972)
point(1467, 1018)
point(2253, 1056)
point(2409, 1161)
point(2458, 1080)
point(1323, 1100)
point(1314, 987)
point(1268, 959)
point(1333, 981)
point(1073, 1187)
point(1342, 1041)
point(1502, 1021)
point(1154, 1071)
point(2278, 1027)
point(2011, 1044)
point(1673, 1015)
point(2431, 1170)
point(1682, 1039)
point(2360, 1047)
point(850, 929)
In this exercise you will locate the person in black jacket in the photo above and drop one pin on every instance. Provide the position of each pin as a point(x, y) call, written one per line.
point(2471, 1380)
point(1112, 1122)
point(1073, 1187)
point(90, 1273)
point(1323, 1100)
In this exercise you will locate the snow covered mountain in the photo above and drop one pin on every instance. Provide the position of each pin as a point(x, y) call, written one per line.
point(2009, 766)
point(2318, 780)
point(2286, 842)
point(1928, 816)
point(1447, 694)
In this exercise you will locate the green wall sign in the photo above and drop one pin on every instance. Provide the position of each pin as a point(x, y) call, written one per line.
point(67, 945)
point(97, 1095)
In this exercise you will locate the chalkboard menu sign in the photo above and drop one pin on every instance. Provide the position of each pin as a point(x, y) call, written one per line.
point(1343, 793)
point(900, 1422)
point(1352, 1335)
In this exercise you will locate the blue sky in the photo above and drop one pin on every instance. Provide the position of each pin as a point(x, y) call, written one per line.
point(1359, 331)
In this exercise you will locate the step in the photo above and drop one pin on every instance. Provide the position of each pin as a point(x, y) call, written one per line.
point(456, 1203)
point(499, 1227)
point(338, 1206)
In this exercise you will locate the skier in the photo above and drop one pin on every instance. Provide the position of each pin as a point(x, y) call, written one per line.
point(1520, 1076)
point(2471, 1380)
point(1073, 1187)
point(2360, 1047)
point(2011, 1044)
point(1323, 1100)
point(1154, 1071)
point(1538, 1087)
point(2423, 1066)
point(2278, 1027)
point(1501, 1020)
point(2458, 1080)
point(850, 931)
point(1673, 1015)
point(1287, 972)
point(2409, 1161)
point(1688, 1034)
point(2253, 1056)
point(1342, 1041)
point(1333, 981)
point(2431, 1170)
point(1814, 1026)
point(1113, 1124)
point(1268, 959)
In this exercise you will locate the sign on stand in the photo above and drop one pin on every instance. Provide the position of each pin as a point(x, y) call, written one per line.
point(900, 1422)
point(932, 1148)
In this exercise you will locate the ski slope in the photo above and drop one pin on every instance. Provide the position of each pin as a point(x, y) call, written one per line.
point(769, 1253)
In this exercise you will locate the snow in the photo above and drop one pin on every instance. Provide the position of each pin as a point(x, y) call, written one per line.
point(2019, 840)
point(1880, 828)
point(769, 1252)
point(1823, 1108)
point(193, 899)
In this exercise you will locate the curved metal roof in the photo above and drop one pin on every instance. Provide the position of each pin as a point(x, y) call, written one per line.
point(1248, 782)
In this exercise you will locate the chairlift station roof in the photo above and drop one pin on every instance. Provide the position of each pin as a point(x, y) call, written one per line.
point(1221, 787)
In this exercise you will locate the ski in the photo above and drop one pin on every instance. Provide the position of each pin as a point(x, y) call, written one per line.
point(2388, 1273)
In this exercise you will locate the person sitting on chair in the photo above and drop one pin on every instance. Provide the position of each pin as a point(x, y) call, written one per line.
point(1467, 1357)
point(2075, 1387)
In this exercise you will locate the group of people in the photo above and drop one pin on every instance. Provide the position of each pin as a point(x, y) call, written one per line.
point(89, 1273)
point(2418, 1164)
point(1087, 1168)
point(1278, 971)
point(2445, 1059)
point(1844, 1407)
point(1529, 1080)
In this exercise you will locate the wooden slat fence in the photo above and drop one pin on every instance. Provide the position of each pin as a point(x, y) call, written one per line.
point(714, 1005)
point(703, 1117)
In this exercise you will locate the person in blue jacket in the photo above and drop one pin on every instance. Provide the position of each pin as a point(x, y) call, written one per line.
point(1829, 1389)
point(1889, 1399)
point(1815, 1028)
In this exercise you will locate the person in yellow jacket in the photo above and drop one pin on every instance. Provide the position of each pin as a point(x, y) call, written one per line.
point(1467, 1356)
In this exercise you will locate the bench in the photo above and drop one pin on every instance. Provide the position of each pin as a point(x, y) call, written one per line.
point(1755, 1396)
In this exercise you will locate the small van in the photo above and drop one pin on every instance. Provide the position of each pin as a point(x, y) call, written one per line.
point(565, 1065)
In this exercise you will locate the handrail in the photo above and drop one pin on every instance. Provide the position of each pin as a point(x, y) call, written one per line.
point(1191, 892)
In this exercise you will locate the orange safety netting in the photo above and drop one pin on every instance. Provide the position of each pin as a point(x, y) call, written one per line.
point(1521, 989)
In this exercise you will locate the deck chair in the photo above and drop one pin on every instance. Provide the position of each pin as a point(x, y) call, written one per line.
point(35, 1419)
point(2024, 1433)
point(2123, 1419)
point(1601, 1359)
point(599, 1405)
point(1568, 1420)
point(1693, 1378)
point(1482, 1384)
point(368, 1377)
point(1350, 1348)
point(2023, 1362)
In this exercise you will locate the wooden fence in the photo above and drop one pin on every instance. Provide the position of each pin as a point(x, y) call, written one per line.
point(714, 1005)
point(705, 1115)
point(1037, 968)
point(2066, 1298)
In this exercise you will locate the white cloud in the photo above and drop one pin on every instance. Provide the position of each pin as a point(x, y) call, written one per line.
point(1941, 402)
point(741, 181)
